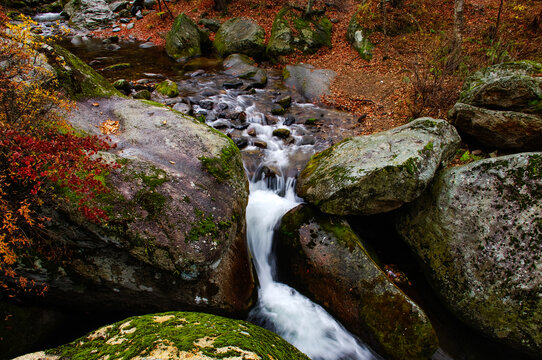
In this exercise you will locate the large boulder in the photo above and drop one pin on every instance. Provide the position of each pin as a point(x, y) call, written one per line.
point(175, 237)
point(478, 231)
point(76, 78)
point(291, 30)
point(175, 335)
point(185, 39)
point(378, 173)
point(501, 106)
point(311, 83)
point(89, 14)
point(243, 67)
point(321, 256)
point(240, 35)
point(496, 128)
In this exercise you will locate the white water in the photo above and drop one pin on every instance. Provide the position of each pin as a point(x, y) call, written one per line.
point(280, 308)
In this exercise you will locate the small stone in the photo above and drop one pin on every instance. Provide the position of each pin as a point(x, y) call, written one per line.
point(232, 84)
point(182, 108)
point(143, 94)
point(123, 85)
point(168, 88)
point(260, 144)
point(307, 140)
point(251, 132)
point(277, 110)
point(124, 20)
point(284, 101)
point(117, 29)
point(477, 152)
point(281, 133)
point(289, 120)
point(241, 142)
point(130, 27)
point(206, 104)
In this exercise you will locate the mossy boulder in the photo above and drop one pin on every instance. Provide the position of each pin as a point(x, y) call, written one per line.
point(89, 14)
point(499, 129)
point(478, 232)
point(240, 35)
point(321, 256)
point(292, 30)
point(185, 39)
point(243, 67)
point(168, 88)
point(378, 173)
point(358, 36)
point(175, 236)
point(176, 335)
point(501, 106)
point(78, 79)
point(308, 81)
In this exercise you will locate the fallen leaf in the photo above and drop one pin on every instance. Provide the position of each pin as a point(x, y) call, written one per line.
point(172, 162)
point(109, 127)
point(95, 104)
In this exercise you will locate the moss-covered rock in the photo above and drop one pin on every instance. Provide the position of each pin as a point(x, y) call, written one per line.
point(176, 335)
point(240, 35)
point(185, 39)
point(321, 255)
point(378, 173)
point(478, 231)
point(501, 106)
point(292, 30)
point(176, 229)
point(358, 36)
point(168, 88)
point(78, 79)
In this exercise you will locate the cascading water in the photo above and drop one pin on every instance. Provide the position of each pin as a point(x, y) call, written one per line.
point(281, 308)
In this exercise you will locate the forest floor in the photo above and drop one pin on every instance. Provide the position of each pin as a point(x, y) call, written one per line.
point(406, 77)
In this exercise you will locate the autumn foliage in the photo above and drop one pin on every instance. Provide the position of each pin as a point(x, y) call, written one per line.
point(41, 157)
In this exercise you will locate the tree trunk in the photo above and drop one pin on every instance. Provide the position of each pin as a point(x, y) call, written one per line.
point(455, 52)
point(498, 20)
point(221, 5)
point(309, 7)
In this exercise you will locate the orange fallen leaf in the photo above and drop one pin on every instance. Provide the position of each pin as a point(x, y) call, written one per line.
point(95, 104)
point(109, 127)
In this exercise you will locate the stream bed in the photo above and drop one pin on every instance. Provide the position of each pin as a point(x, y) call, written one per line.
point(272, 164)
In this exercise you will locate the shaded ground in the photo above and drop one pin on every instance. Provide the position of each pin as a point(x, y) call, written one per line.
point(381, 91)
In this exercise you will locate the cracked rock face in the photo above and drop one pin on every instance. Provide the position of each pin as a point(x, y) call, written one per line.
point(478, 231)
point(90, 14)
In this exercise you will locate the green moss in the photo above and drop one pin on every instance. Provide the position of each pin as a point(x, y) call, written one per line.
point(168, 88)
point(389, 319)
point(116, 67)
point(152, 201)
point(411, 165)
point(138, 336)
point(77, 78)
point(153, 103)
point(311, 121)
point(221, 167)
point(206, 226)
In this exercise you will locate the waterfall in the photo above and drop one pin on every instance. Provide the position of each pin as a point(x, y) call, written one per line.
point(280, 308)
